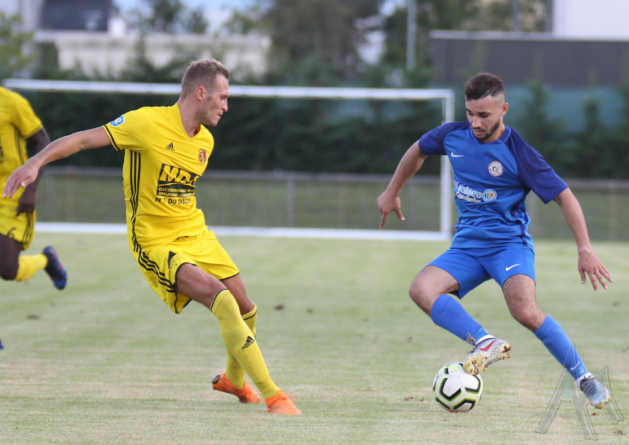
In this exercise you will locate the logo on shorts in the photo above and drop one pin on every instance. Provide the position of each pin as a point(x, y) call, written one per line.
point(202, 156)
point(117, 122)
point(174, 261)
point(496, 169)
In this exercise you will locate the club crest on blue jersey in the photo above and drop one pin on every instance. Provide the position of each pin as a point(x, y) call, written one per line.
point(489, 195)
point(496, 168)
point(117, 122)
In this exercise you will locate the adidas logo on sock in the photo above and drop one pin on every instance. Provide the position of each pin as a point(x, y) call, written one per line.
point(170, 147)
point(249, 342)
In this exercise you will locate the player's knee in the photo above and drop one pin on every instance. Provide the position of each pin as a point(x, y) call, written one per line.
point(422, 296)
point(8, 271)
point(528, 317)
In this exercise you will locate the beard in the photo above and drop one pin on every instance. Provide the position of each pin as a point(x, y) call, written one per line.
point(489, 133)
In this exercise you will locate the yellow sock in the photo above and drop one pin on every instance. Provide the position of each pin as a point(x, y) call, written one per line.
point(235, 372)
point(240, 342)
point(30, 265)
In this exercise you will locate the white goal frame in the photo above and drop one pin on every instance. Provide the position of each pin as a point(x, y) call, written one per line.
point(401, 94)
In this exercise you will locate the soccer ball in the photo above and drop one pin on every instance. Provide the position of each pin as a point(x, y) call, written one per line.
point(456, 390)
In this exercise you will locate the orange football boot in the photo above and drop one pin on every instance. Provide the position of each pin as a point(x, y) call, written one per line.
point(246, 394)
point(280, 403)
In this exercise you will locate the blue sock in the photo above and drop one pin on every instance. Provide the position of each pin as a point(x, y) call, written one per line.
point(449, 314)
point(557, 342)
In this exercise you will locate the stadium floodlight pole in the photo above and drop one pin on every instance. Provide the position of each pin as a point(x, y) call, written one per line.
point(405, 94)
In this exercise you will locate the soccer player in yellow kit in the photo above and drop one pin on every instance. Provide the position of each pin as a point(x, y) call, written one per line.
point(166, 150)
point(18, 123)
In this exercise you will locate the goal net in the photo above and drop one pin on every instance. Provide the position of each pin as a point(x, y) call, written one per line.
point(354, 195)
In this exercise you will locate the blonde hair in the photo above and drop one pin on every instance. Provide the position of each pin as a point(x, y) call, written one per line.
point(202, 73)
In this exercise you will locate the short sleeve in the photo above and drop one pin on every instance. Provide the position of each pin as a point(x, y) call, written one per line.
point(128, 131)
point(535, 173)
point(23, 116)
point(432, 143)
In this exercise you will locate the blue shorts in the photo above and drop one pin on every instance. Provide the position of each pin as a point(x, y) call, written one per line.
point(472, 267)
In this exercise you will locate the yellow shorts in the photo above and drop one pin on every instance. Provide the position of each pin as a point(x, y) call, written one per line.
point(160, 264)
point(20, 228)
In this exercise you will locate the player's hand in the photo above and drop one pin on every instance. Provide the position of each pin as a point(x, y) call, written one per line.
point(27, 201)
point(21, 177)
point(388, 203)
point(590, 265)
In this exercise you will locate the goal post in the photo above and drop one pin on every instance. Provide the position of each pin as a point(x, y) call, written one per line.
point(446, 96)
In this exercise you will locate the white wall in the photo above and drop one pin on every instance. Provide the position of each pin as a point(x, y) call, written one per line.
point(591, 19)
point(107, 53)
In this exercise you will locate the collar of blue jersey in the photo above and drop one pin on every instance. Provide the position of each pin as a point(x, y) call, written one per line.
point(502, 138)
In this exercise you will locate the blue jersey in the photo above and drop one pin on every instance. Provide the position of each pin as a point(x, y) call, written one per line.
point(491, 181)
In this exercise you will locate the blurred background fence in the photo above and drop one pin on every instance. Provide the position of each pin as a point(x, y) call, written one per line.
point(315, 200)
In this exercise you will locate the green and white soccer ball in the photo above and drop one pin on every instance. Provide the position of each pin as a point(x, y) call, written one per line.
point(456, 390)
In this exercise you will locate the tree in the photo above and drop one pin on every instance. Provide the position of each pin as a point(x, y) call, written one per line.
point(544, 133)
point(169, 16)
point(13, 43)
point(619, 138)
point(315, 42)
point(592, 147)
point(431, 14)
point(497, 15)
point(195, 22)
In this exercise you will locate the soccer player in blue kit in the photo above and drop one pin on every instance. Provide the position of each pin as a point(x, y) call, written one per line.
point(494, 170)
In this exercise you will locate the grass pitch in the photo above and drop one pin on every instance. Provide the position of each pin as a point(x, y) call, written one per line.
point(106, 362)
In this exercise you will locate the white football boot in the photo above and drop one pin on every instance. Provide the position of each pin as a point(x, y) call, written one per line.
point(595, 392)
point(487, 350)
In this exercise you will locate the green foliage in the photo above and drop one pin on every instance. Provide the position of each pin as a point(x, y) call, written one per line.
point(598, 151)
point(601, 151)
point(13, 43)
point(315, 136)
point(195, 22)
point(314, 42)
point(168, 16)
point(619, 139)
point(544, 133)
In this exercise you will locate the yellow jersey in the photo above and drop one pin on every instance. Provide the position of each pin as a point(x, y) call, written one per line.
point(161, 166)
point(18, 122)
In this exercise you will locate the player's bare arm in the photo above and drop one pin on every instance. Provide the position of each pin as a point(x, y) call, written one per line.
point(59, 149)
point(588, 263)
point(27, 201)
point(389, 200)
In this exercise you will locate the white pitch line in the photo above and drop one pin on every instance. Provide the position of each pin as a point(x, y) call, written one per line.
point(269, 232)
